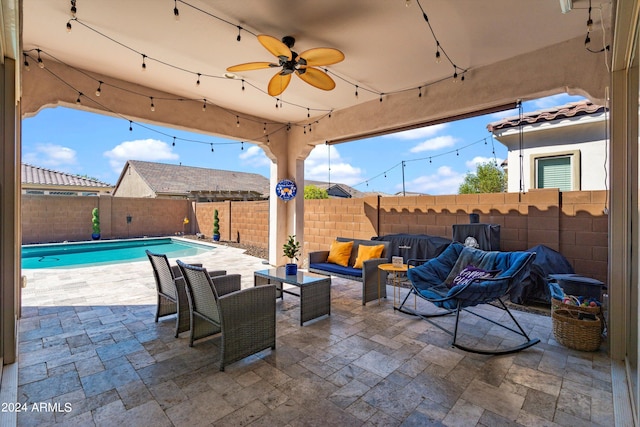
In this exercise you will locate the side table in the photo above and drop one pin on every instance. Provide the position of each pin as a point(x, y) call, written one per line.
point(390, 268)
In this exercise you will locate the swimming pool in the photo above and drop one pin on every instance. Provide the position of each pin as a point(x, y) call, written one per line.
point(73, 255)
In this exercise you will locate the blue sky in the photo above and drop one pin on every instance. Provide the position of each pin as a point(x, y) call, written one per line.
point(83, 143)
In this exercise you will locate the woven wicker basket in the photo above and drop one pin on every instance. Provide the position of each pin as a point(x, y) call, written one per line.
point(575, 333)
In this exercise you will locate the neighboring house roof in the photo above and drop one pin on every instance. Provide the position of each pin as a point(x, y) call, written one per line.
point(336, 189)
point(171, 179)
point(573, 109)
point(34, 176)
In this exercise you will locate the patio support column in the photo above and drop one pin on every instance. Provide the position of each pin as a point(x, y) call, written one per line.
point(286, 218)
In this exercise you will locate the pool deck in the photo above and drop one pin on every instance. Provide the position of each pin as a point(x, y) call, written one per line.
point(88, 339)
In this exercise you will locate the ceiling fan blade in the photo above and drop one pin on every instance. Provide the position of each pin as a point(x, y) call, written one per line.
point(322, 56)
point(316, 78)
point(251, 66)
point(275, 46)
point(278, 84)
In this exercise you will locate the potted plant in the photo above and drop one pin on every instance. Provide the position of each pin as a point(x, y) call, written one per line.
point(291, 250)
point(216, 226)
point(95, 221)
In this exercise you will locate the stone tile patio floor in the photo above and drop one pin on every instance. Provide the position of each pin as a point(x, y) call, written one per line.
point(88, 342)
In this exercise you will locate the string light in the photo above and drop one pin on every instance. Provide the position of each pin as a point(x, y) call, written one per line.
point(78, 100)
point(174, 142)
point(455, 75)
point(99, 90)
point(212, 147)
point(437, 52)
point(276, 102)
point(26, 63)
point(176, 12)
point(308, 113)
point(420, 92)
point(242, 146)
point(40, 63)
point(381, 97)
point(153, 107)
point(144, 64)
point(264, 129)
point(73, 8)
point(237, 121)
point(68, 26)
point(589, 21)
point(239, 36)
point(268, 141)
point(198, 81)
point(242, 84)
point(130, 126)
point(204, 105)
point(356, 91)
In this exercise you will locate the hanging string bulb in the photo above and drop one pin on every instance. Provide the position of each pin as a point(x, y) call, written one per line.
point(587, 40)
point(462, 77)
point(420, 92)
point(130, 126)
point(26, 63)
point(241, 145)
point(305, 129)
point(308, 113)
point(455, 75)
point(198, 81)
point(68, 26)
point(242, 84)
point(276, 102)
point(239, 36)
point(144, 64)
point(430, 160)
point(40, 63)
point(237, 121)
point(73, 8)
point(589, 21)
point(204, 105)
point(437, 52)
point(153, 107)
point(264, 129)
point(176, 12)
point(381, 97)
point(212, 147)
point(268, 141)
point(174, 142)
point(99, 90)
point(78, 100)
point(356, 91)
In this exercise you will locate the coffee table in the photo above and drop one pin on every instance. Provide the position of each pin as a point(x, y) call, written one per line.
point(315, 290)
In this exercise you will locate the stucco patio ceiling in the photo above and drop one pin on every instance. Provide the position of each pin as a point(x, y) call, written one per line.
point(388, 46)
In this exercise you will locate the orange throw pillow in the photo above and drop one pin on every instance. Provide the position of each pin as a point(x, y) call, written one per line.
point(366, 253)
point(340, 253)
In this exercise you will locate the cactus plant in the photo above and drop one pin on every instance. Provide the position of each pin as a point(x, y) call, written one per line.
point(216, 226)
point(95, 221)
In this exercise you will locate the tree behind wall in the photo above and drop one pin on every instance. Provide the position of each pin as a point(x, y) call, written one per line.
point(313, 192)
point(488, 178)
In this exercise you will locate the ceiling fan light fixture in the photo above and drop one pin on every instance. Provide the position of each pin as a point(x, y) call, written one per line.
point(566, 5)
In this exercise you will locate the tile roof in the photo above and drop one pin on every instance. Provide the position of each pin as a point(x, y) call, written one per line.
point(179, 179)
point(572, 109)
point(41, 176)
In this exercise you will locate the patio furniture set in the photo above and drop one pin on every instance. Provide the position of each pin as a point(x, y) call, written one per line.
point(209, 303)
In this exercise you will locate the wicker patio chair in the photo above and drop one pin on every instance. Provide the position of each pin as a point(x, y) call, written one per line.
point(172, 297)
point(246, 319)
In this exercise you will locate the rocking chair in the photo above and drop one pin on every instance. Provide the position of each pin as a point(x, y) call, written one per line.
point(442, 282)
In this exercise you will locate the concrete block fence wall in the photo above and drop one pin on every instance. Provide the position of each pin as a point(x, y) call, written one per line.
point(573, 223)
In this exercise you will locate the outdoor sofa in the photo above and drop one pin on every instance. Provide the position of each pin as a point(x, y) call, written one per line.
point(368, 274)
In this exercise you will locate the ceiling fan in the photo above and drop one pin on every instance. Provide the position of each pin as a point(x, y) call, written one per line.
point(302, 64)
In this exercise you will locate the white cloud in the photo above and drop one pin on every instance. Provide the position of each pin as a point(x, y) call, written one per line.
point(473, 163)
point(151, 150)
point(254, 156)
point(444, 181)
point(419, 133)
point(50, 155)
point(316, 166)
point(434, 144)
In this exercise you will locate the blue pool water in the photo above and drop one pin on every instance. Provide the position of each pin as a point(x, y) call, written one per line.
point(72, 255)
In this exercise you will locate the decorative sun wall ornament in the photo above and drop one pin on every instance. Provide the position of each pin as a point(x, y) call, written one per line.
point(286, 189)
